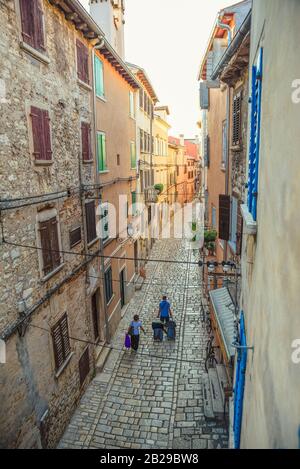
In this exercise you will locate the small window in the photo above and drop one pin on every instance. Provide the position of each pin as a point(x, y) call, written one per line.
point(75, 236)
point(99, 77)
point(32, 23)
point(133, 203)
point(141, 98)
point(86, 141)
point(61, 342)
point(41, 134)
point(133, 155)
point(82, 62)
point(101, 151)
point(236, 124)
point(90, 221)
point(51, 256)
point(84, 366)
point(108, 285)
point(118, 160)
point(131, 104)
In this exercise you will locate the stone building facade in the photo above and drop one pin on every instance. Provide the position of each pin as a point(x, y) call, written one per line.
point(50, 304)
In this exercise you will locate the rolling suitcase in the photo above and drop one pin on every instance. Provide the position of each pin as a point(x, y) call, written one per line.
point(157, 331)
point(171, 331)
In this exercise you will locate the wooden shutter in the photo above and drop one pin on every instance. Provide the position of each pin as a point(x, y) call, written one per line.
point(86, 141)
point(37, 132)
point(39, 27)
point(239, 234)
point(79, 48)
point(47, 150)
point(90, 221)
point(75, 236)
point(224, 217)
point(55, 251)
point(84, 366)
point(44, 229)
point(236, 127)
point(61, 341)
point(27, 21)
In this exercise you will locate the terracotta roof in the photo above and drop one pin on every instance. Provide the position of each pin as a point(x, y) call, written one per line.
point(191, 149)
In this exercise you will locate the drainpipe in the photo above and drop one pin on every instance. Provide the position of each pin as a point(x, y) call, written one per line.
point(107, 333)
point(228, 29)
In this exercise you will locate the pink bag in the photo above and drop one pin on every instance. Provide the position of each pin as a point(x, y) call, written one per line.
point(127, 341)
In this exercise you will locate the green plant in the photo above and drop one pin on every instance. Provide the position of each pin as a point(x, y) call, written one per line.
point(159, 188)
point(210, 236)
point(211, 247)
point(194, 226)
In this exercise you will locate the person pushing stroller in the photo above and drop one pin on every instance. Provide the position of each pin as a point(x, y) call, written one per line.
point(164, 312)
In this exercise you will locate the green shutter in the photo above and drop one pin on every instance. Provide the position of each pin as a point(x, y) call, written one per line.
point(99, 79)
point(133, 155)
point(101, 147)
point(133, 202)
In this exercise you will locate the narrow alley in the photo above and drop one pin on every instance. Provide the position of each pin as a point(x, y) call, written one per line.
point(153, 399)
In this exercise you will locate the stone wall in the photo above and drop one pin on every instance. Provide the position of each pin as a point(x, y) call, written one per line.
point(29, 385)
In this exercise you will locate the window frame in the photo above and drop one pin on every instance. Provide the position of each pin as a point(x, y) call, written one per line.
point(33, 45)
point(88, 234)
point(42, 217)
point(109, 290)
point(234, 206)
point(133, 155)
point(102, 81)
point(67, 351)
point(104, 162)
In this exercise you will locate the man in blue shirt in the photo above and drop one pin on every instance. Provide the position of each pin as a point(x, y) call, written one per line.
point(164, 310)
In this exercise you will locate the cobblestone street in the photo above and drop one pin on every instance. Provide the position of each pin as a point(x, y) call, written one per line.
point(153, 399)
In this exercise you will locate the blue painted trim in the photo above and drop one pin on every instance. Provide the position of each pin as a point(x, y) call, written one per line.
point(241, 366)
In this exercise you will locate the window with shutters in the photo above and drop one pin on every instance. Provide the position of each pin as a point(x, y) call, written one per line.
point(99, 77)
point(141, 98)
point(32, 23)
point(213, 217)
point(41, 135)
point(224, 144)
point(75, 236)
point(84, 366)
point(133, 155)
point(133, 203)
point(254, 147)
point(86, 142)
point(237, 118)
point(82, 62)
point(90, 221)
point(101, 152)
point(131, 105)
point(108, 285)
point(224, 217)
point(61, 342)
point(50, 247)
point(104, 222)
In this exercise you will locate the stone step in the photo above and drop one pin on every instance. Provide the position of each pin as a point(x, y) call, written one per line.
point(208, 409)
point(223, 379)
point(102, 356)
point(216, 394)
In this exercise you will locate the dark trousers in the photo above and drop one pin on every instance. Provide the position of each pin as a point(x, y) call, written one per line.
point(165, 319)
point(135, 339)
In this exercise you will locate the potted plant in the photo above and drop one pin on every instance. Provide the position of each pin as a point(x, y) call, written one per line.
point(159, 188)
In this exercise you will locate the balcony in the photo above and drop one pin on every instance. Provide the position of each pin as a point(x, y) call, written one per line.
point(151, 196)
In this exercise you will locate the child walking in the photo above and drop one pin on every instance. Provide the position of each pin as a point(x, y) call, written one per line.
point(134, 331)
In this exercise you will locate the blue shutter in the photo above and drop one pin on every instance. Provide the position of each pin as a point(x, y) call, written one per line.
point(240, 384)
point(255, 135)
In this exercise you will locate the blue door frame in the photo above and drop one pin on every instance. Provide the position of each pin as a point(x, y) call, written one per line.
point(240, 384)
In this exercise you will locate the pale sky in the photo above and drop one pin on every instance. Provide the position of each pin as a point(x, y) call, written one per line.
point(168, 39)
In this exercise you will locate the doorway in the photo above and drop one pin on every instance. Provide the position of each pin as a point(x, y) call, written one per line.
point(122, 287)
point(95, 314)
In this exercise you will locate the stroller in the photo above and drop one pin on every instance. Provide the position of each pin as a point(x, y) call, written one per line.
point(158, 330)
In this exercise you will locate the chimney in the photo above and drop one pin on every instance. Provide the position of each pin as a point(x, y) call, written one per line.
point(181, 138)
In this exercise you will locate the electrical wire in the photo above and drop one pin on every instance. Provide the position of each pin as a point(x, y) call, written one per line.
point(166, 261)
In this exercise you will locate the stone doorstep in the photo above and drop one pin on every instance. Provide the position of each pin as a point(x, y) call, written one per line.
point(102, 354)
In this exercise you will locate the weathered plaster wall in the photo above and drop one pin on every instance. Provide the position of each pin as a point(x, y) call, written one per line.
point(271, 286)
